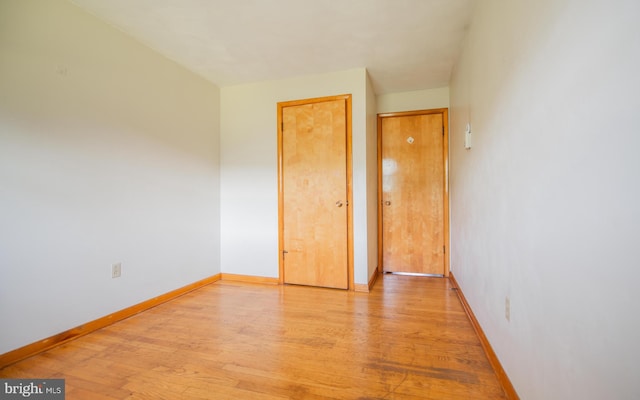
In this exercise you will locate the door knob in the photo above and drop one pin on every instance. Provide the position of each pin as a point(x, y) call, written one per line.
point(338, 203)
point(387, 203)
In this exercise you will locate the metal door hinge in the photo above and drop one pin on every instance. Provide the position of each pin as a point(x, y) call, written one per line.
point(444, 249)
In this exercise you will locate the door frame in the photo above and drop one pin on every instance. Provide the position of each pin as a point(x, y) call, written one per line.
point(281, 106)
point(445, 205)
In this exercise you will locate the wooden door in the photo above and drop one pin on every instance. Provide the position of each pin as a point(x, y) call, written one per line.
point(413, 155)
point(314, 192)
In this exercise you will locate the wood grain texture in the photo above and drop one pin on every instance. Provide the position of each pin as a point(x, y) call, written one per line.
point(413, 184)
point(55, 340)
point(491, 355)
point(281, 106)
point(315, 193)
point(249, 279)
point(409, 338)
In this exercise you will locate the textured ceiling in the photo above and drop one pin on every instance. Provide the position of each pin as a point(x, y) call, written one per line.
point(404, 44)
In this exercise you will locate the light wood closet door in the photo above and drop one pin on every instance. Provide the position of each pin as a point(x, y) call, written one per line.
point(315, 194)
point(413, 184)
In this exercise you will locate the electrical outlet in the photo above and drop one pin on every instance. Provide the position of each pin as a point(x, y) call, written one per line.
point(116, 270)
point(507, 308)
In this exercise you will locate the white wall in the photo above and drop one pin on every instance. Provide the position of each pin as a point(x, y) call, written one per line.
point(249, 182)
point(544, 207)
point(372, 182)
point(414, 100)
point(108, 153)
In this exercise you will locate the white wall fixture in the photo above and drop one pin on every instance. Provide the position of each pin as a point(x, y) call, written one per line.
point(467, 137)
point(116, 270)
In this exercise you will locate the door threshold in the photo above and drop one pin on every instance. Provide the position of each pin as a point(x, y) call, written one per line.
point(413, 274)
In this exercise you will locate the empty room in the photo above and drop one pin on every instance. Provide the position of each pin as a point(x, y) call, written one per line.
point(319, 199)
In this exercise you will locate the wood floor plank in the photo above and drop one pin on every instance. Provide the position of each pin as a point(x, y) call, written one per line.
point(409, 338)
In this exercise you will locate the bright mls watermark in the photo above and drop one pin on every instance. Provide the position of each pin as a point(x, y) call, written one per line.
point(41, 389)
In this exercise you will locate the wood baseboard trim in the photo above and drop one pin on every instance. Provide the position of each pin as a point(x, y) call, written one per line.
point(361, 288)
point(508, 388)
point(366, 288)
point(32, 349)
point(250, 279)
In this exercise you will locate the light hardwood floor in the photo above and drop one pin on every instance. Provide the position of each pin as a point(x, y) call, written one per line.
point(407, 339)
